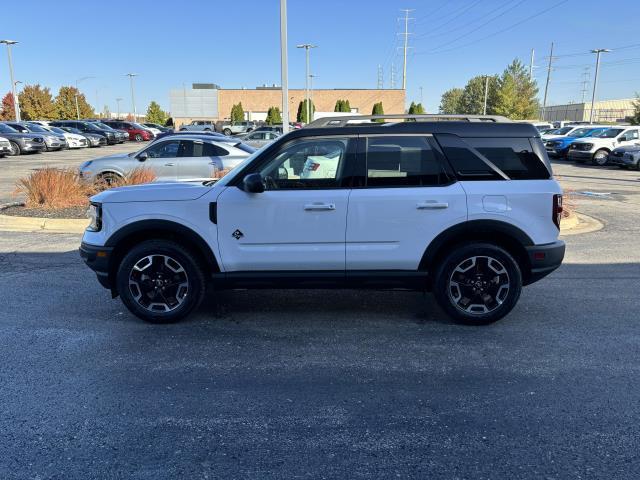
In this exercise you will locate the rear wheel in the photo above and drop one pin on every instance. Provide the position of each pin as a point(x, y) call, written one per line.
point(109, 178)
point(138, 137)
point(15, 149)
point(227, 132)
point(600, 158)
point(478, 283)
point(159, 281)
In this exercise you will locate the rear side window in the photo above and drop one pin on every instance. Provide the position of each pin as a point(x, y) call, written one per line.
point(402, 161)
point(465, 163)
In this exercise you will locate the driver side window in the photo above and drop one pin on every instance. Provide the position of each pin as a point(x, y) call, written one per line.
point(164, 150)
point(309, 163)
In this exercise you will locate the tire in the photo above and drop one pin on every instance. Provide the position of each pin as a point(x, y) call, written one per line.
point(138, 137)
point(15, 149)
point(183, 129)
point(167, 263)
point(207, 129)
point(227, 132)
point(484, 268)
point(109, 178)
point(600, 158)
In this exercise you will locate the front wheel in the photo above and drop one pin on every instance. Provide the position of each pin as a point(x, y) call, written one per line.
point(138, 137)
point(227, 132)
point(601, 158)
point(159, 281)
point(478, 283)
point(15, 149)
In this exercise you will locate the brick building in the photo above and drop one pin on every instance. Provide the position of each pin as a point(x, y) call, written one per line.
point(212, 103)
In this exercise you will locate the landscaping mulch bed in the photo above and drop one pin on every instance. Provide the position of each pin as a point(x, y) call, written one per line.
point(22, 211)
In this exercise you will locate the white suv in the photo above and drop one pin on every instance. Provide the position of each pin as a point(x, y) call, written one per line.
point(466, 208)
point(596, 149)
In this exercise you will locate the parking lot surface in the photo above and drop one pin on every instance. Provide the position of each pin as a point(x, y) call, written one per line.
point(328, 384)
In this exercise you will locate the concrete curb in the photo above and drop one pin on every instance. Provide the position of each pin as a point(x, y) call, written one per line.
point(579, 224)
point(10, 223)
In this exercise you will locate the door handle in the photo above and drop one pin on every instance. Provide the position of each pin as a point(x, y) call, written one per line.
point(319, 206)
point(432, 205)
point(170, 164)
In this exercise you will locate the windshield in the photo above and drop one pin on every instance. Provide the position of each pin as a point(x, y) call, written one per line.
point(137, 125)
point(56, 130)
point(72, 130)
point(7, 129)
point(103, 126)
point(563, 131)
point(610, 133)
point(581, 132)
point(37, 128)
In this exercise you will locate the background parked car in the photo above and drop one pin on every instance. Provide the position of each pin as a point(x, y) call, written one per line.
point(185, 132)
point(626, 157)
point(88, 127)
point(5, 147)
point(52, 141)
point(121, 135)
point(559, 146)
point(73, 140)
point(182, 157)
point(596, 149)
point(137, 132)
point(22, 142)
point(233, 128)
point(161, 128)
point(93, 140)
point(257, 138)
point(200, 125)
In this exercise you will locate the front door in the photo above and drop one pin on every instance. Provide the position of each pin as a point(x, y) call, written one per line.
point(298, 222)
point(407, 200)
point(162, 158)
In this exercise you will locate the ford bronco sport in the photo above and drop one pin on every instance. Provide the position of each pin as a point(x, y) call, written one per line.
point(465, 207)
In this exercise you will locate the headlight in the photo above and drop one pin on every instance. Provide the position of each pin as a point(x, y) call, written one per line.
point(95, 217)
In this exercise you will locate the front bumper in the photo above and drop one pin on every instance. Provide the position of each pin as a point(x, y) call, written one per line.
point(580, 155)
point(32, 147)
point(544, 259)
point(623, 161)
point(98, 259)
point(5, 149)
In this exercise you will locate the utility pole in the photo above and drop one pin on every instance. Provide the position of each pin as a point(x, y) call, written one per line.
point(380, 77)
point(406, 46)
point(118, 100)
point(486, 94)
point(311, 77)
point(585, 82)
point(546, 86)
point(98, 104)
point(133, 98)
point(393, 75)
point(16, 104)
point(420, 95)
point(531, 67)
point(283, 66)
point(77, 93)
point(307, 47)
point(597, 51)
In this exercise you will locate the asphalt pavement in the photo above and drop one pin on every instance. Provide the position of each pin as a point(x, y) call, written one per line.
point(328, 384)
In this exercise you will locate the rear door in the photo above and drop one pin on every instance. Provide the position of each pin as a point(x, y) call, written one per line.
point(162, 158)
point(199, 159)
point(406, 201)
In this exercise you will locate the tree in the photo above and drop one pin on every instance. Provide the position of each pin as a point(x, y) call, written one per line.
point(516, 93)
point(378, 110)
point(36, 103)
point(635, 117)
point(273, 116)
point(472, 100)
point(416, 109)
point(8, 111)
point(302, 111)
point(65, 104)
point(155, 114)
point(451, 101)
point(342, 106)
point(237, 113)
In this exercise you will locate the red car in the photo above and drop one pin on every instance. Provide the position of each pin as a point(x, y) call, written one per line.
point(137, 132)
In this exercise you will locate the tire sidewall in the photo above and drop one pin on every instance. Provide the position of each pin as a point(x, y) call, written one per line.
point(194, 273)
point(453, 259)
point(606, 158)
point(15, 149)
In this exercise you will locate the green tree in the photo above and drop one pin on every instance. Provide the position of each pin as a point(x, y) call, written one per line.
point(338, 107)
point(65, 104)
point(36, 103)
point(472, 100)
point(342, 106)
point(155, 114)
point(301, 116)
point(273, 116)
point(416, 109)
point(451, 101)
point(8, 110)
point(516, 93)
point(378, 110)
point(635, 117)
point(237, 113)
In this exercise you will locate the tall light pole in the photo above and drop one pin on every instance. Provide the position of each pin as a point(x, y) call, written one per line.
point(486, 94)
point(311, 77)
point(16, 106)
point(118, 100)
point(406, 46)
point(284, 66)
point(133, 98)
point(597, 51)
point(307, 47)
point(76, 95)
point(546, 85)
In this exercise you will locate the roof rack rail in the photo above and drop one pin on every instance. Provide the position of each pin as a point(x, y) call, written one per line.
point(342, 121)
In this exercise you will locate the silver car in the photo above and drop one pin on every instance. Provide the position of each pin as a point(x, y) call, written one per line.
point(259, 139)
point(174, 157)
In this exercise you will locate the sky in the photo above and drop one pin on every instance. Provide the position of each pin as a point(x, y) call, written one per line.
point(237, 44)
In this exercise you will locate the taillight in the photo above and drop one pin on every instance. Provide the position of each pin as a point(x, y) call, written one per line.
point(557, 210)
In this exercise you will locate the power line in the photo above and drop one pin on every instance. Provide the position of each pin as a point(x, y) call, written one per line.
point(456, 15)
point(406, 46)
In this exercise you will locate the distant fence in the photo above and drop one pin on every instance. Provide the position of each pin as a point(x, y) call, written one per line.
point(601, 115)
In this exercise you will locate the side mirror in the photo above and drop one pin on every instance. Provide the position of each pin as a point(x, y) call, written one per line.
point(143, 156)
point(253, 183)
point(622, 139)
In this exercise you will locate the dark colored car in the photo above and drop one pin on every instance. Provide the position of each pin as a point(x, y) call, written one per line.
point(626, 157)
point(88, 127)
point(52, 141)
point(136, 132)
point(22, 142)
point(121, 134)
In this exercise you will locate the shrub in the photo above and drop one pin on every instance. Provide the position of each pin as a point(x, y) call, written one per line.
point(137, 176)
point(53, 188)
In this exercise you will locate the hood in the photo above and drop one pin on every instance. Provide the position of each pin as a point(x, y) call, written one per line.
point(115, 156)
point(628, 148)
point(153, 192)
point(22, 135)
